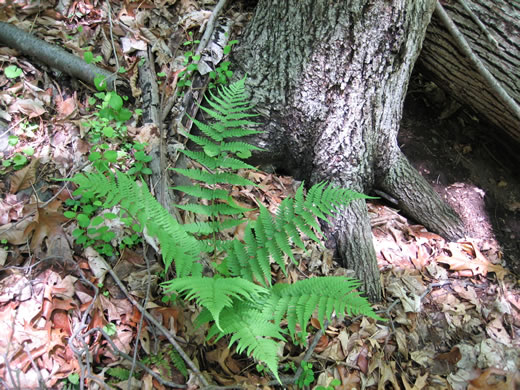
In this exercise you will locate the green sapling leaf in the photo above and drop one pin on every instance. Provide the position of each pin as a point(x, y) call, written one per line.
point(12, 72)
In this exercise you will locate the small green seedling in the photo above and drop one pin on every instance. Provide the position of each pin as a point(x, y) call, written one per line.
point(12, 140)
point(110, 329)
point(332, 386)
point(12, 72)
point(222, 74)
point(73, 378)
point(90, 59)
point(141, 159)
point(307, 375)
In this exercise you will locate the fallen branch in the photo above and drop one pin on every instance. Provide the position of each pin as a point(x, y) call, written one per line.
point(54, 56)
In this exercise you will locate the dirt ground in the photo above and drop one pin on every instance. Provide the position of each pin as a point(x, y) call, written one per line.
point(471, 164)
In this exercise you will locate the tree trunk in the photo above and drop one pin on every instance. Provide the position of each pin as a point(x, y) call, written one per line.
point(329, 78)
point(443, 61)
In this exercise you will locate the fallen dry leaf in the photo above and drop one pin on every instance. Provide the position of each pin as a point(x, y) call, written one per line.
point(30, 107)
point(47, 224)
point(25, 177)
point(10, 208)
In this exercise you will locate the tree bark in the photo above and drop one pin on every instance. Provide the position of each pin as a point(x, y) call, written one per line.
point(496, 42)
point(330, 78)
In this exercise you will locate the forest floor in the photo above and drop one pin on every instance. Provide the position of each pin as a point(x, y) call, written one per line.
point(453, 307)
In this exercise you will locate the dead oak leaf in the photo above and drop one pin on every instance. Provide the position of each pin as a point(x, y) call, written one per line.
point(25, 177)
point(46, 224)
point(66, 107)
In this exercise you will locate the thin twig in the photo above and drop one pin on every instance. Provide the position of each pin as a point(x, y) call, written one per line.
point(111, 26)
point(491, 81)
point(210, 26)
point(141, 320)
point(117, 351)
point(152, 319)
point(479, 24)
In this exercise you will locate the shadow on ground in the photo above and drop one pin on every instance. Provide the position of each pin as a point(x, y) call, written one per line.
point(470, 163)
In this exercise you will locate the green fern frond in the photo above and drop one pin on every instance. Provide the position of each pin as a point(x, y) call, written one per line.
point(178, 362)
point(207, 228)
point(119, 372)
point(205, 193)
point(297, 302)
point(252, 332)
point(237, 109)
point(121, 189)
point(213, 293)
point(214, 178)
point(213, 210)
point(213, 163)
point(237, 147)
point(273, 235)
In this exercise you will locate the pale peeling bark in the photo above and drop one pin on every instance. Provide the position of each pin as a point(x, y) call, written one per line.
point(443, 61)
point(330, 79)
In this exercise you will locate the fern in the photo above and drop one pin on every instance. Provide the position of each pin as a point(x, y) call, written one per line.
point(254, 321)
point(118, 372)
point(253, 333)
point(120, 189)
point(270, 238)
point(297, 302)
point(215, 294)
point(221, 152)
point(177, 361)
point(241, 301)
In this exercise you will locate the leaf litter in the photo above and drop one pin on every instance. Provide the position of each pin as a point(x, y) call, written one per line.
point(453, 309)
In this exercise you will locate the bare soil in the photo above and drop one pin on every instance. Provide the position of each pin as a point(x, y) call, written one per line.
point(471, 164)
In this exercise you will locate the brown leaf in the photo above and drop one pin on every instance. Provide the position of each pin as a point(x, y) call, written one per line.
point(31, 107)
point(46, 224)
point(451, 357)
point(10, 208)
point(15, 233)
point(23, 178)
point(65, 107)
point(494, 379)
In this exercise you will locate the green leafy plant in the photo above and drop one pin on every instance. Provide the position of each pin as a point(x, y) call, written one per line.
point(110, 329)
point(18, 160)
point(89, 58)
point(190, 63)
point(12, 72)
point(90, 231)
point(109, 118)
point(222, 74)
point(141, 159)
point(163, 359)
point(12, 140)
point(335, 382)
point(307, 375)
point(72, 382)
point(119, 373)
point(240, 301)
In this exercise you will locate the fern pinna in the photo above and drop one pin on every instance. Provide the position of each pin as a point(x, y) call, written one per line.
point(241, 300)
point(221, 155)
point(120, 189)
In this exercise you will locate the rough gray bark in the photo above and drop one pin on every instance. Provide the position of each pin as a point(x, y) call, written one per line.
point(329, 78)
point(443, 61)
